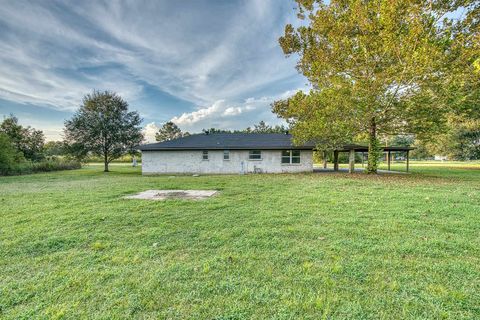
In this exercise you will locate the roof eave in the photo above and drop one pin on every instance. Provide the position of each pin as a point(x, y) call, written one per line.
point(229, 148)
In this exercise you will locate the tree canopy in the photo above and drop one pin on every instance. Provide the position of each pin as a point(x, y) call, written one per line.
point(27, 141)
point(104, 127)
point(377, 68)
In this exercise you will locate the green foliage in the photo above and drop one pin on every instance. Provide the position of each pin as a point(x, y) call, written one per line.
point(26, 140)
point(467, 146)
point(76, 150)
point(463, 139)
point(54, 148)
point(22, 151)
point(374, 154)
point(422, 150)
point(104, 127)
point(287, 246)
point(402, 140)
point(8, 155)
point(169, 131)
point(460, 88)
point(317, 117)
point(376, 68)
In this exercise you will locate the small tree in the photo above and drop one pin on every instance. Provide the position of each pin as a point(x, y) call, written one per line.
point(169, 131)
point(104, 127)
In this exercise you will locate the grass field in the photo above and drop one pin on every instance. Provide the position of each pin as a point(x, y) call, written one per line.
point(305, 246)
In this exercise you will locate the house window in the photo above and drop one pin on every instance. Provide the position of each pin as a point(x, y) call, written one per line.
point(290, 156)
point(286, 156)
point(295, 156)
point(226, 154)
point(205, 155)
point(255, 155)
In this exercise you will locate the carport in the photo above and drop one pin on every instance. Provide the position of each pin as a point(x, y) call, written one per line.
point(354, 148)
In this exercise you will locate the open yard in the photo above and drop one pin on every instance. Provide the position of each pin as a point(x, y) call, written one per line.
point(311, 246)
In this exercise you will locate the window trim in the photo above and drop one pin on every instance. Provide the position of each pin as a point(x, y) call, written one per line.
point(205, 153)
point(254, 159)
point(226, 153)
point(290, 157)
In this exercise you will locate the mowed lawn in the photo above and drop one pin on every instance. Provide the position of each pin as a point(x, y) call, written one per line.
point(292, 246)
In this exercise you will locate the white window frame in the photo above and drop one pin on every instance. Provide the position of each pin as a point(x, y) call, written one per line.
point(205, 153)
point(250, 154)
point(290, 157)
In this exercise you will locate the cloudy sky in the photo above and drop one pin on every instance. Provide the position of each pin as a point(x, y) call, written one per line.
point(199, 63)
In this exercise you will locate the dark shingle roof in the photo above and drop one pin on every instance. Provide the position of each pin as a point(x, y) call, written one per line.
point(230, 141)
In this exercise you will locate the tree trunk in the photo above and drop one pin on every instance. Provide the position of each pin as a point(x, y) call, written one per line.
point(105, 162)
point(335, 160)
point(351, 161)
point(372, 147)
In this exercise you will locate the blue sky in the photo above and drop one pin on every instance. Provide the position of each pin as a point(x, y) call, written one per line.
point(199, 63)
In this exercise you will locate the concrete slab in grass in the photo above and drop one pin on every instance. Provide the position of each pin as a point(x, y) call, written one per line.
point(173, 194)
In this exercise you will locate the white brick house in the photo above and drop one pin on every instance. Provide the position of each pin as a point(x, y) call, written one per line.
point(227, 153)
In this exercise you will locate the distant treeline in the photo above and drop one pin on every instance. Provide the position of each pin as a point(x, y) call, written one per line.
point(261, 127)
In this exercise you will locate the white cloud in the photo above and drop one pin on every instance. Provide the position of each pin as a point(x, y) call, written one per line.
point(225, 115)
point(149, 132)
point(201, 114)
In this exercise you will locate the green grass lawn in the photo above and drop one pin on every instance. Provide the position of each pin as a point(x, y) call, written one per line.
point(303, 246)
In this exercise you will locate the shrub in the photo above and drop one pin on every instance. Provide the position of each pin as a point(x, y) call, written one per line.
point(42, 166)
point(123, 159)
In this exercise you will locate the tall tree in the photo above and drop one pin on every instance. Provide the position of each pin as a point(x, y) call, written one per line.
point(261, 127)
point(374, 67)
point(104, 127)
point(169, 131)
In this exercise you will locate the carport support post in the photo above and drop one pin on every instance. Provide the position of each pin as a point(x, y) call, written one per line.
point(351, 161)
point(335, 160)
point(408, 159)
point(324, 159)
point(389, 155)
